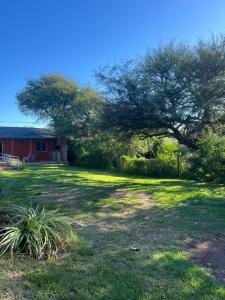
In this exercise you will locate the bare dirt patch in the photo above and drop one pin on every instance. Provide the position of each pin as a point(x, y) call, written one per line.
point(130, 201)
point(59, 196)
point(210, 255)
point(121, 194)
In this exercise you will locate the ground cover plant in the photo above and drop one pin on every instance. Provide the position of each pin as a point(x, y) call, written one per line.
point(137, 238)
point(34, 231)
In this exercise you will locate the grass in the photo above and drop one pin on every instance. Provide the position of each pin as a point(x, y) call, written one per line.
point(111, 214)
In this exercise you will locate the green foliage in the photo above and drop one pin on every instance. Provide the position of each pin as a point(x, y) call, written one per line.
point(175, 90)
point(143, 147)
point(148, 167)
point(34, 231)
point(144, 157)
point(169, 161)
point(69, 109)
point(153, 157)
point(209, 161)
point(167, 155)
point(139, 166)
point(172, 158)
point(100, 151)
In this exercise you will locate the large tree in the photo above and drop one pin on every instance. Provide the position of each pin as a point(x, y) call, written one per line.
point(175, 90)
point(69, 109)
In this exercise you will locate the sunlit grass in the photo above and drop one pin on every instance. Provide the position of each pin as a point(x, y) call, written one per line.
point(114, 212)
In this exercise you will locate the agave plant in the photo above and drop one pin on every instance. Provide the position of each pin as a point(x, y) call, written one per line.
point(35, 231)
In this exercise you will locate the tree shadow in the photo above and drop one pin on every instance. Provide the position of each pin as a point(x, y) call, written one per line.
point(115, 272)
point(106, 268)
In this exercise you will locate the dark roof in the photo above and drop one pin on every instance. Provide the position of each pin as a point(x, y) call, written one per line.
point(25, 132)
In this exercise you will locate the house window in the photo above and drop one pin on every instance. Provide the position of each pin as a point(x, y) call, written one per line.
point(41, 147)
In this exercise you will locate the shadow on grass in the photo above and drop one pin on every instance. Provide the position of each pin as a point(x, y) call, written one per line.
point(83, 192)
point(106, 268)
point(123, 275)
point(32, 182)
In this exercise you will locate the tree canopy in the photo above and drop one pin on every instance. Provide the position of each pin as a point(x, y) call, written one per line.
point(69, 109)
point(175, 90)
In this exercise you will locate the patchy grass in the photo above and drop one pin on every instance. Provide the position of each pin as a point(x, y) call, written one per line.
point(159, 217)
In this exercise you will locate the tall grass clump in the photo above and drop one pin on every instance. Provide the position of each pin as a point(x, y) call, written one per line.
point(35, 231)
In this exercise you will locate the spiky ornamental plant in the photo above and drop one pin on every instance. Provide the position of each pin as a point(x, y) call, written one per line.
point(35, 231)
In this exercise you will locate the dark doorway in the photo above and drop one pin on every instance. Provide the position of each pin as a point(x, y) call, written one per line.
point(1, 148)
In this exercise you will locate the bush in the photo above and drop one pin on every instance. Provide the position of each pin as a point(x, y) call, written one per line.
point(166, 163)
point(37, 232)
point(141, 166)
point(209, 161)
point(172, 157)
point(100, 151)
point(151, 157)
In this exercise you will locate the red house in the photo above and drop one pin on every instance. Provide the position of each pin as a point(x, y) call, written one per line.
point(32, 144)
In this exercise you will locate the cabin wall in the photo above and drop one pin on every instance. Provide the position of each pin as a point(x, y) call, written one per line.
point(6, 144)
point(20, 147)
point(27, 148)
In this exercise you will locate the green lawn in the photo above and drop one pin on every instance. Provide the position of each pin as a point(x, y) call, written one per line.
point(172, 223)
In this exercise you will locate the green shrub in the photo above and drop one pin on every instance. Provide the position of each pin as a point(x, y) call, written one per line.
point(99, 151)
point(139, 166)
point(151, 157)
point(173, 158)
point(34, 231)
point(209, 161)
point(170, 159)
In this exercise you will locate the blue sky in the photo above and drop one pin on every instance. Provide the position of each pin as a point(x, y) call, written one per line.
point(75, 37)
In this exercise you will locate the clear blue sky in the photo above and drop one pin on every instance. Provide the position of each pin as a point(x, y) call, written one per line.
point(75, 37)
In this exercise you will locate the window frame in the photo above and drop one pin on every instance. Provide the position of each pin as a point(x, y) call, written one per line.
point(41, 143)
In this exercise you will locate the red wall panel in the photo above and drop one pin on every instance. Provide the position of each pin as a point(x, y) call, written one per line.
point(6, 145)
point(41, 156)
point(27, 147)
point(21, 147)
